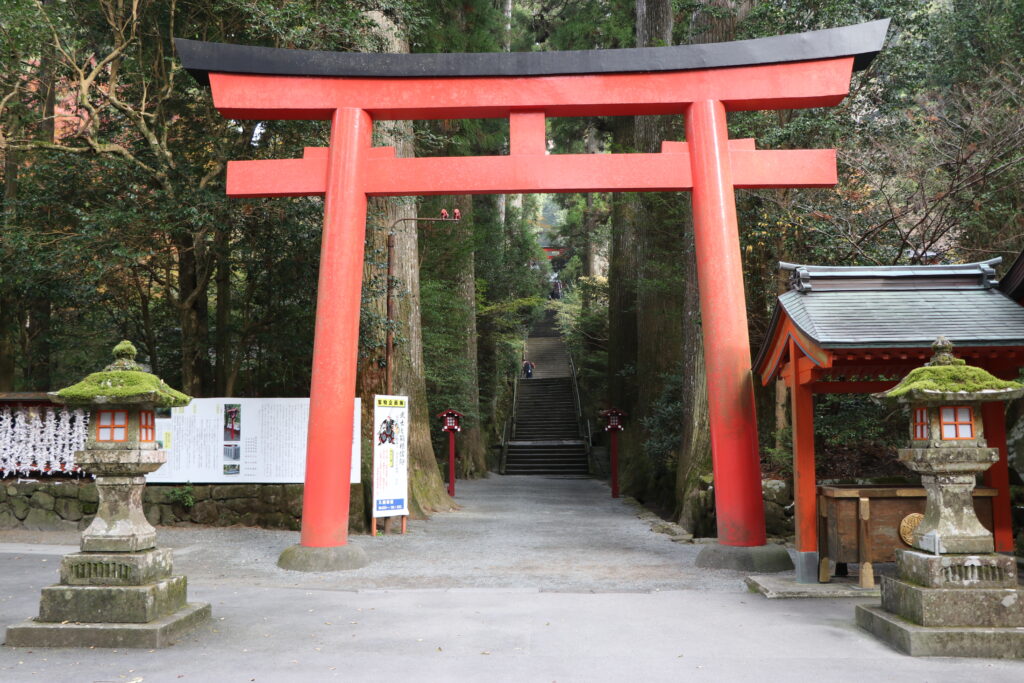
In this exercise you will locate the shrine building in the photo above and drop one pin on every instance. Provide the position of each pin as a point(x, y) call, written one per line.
point(860, 329)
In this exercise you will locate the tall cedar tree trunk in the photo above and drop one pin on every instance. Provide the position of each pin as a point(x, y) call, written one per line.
point(659, 294)
point(193, 314)
point(40, 308)
point(622, 279)
point(492, 383)
point(8, 299)
point(472, 452)
point(589, 248)
point(426, 488)
point(25, 321)
point(222, 336)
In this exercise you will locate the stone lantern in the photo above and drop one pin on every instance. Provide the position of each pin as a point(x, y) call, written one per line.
point(119, 591)
point(948, 447)
point(953, 595)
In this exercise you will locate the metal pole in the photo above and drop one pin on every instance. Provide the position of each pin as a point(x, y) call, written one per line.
point(615, 463)
point(389, 345)
point(451, 464)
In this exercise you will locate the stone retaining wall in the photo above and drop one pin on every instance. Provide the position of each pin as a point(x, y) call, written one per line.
point(70, 505)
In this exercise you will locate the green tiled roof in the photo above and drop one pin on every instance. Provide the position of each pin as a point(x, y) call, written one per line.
point(894, 306)
point(847, 319)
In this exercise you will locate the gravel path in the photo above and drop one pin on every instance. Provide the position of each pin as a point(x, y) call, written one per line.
point(549, 534)
point(533, 579)
point(558, 534)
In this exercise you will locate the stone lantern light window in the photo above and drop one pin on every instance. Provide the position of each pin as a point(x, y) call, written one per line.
point(920, 425)
point(957, 422)
point(147, 426)
point(112, 425)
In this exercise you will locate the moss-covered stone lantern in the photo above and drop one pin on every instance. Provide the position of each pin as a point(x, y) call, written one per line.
point(119, 591)
point(952, 596)
point(121, 447)
point(948, 448)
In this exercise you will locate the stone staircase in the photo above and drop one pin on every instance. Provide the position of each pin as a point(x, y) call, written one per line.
point(546, 438)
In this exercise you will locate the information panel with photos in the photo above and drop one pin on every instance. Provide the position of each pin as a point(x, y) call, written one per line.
point(241, 441)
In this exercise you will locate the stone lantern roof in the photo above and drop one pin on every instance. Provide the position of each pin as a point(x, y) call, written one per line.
point(123, 382)
point(947, 378)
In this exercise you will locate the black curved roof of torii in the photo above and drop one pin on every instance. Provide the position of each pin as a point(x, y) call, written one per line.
point(861, 41)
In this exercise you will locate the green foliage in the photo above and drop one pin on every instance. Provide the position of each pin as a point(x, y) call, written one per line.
point(444, 329)
point(781, 457)
point(844, 420)
point(582, 318)
point(662, 424)
point(184, 496)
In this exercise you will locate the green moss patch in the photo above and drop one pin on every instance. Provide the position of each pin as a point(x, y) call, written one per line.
point(131, 386)
point(950, 378)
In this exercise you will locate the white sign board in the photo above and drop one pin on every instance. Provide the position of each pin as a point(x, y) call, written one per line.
point(240, 441)
point(390, 456)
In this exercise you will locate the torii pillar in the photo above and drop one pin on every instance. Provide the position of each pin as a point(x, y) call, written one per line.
point(700, 82)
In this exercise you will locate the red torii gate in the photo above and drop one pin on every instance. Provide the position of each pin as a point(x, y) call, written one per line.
point(700, 82)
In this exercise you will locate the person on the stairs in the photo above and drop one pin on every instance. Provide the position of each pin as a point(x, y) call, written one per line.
point(528, 366)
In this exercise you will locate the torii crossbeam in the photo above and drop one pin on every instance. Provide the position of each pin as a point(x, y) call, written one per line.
point(700, 83)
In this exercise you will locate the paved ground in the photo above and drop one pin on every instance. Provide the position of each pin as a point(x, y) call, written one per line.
point(532, 580)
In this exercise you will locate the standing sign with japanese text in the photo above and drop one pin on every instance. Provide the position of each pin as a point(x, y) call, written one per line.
point(390, 456)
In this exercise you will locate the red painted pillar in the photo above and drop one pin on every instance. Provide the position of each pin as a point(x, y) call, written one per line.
point(615, 463)
point(451, 463)
point(805, 489)
point(738, 500)
point(998, 476)
point(335, 344)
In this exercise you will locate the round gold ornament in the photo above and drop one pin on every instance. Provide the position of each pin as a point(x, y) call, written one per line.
point(908, 525)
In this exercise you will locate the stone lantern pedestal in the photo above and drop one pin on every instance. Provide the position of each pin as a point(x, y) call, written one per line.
point(953, 596)
point(120, 590)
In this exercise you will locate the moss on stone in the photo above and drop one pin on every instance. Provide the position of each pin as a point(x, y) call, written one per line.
point(957, 377)
point(130, 386)
point(122, 382)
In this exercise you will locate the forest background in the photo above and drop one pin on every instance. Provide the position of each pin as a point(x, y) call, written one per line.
point(114, 223)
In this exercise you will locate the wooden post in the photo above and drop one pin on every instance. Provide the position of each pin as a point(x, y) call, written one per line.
point(998, 476)
point(824, 564)
point(805, 483)
point(867, 572)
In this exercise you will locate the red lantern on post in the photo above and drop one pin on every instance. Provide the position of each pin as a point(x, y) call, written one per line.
point(450, 422)
point(613, 418)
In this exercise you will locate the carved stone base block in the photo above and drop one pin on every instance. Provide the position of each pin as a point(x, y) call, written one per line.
point(116, 569)
point(113, 604)
point(947, 607)
point(924, 641)
point(950, 606)
point(159, 633)
point(957, 571)
point(112, 600)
